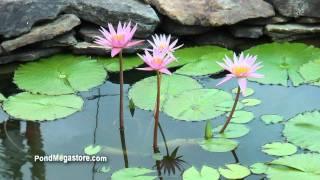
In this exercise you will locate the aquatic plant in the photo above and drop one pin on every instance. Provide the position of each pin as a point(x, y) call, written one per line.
point(242, 68)
point(117, 40)
point(158, 60)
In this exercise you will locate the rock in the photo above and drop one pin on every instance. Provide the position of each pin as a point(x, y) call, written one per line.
point(308, 20)
point(101, 12)
point(264, 21)
point(28, 55)
point(290, 32)
point(297, 8)
point(18, 16)
point(212, 12)
point(89, 32)
point(245, 31)
point(172, 27)
point(43, 32)
point(64, 40)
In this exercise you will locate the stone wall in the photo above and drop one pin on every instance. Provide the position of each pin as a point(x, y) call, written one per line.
point(31, 29)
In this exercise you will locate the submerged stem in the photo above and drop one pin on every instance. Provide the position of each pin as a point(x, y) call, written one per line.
point(232, 111)
point(156, 115)
point(121, 91)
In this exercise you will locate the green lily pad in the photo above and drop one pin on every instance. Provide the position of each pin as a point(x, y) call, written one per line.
point(279, 149)
point(112, 64)
point(234, 171)
point(2, 98)
point(104, 169)
point(144, 92)
point(232, 131)
point(304, 130)
point(198, 105)
point(242, 117)
point(207, 173)
point(271, 119)
point(133, 173)
point(310, 71)
point(259, 168)
point(295, 167)
point(193, 54)
point(92, 150)
point(60, 74)
point(207, 64)
point(281, 61)
point(218, 145)
point(249, 92)
point(251, 102)
point(34, 107)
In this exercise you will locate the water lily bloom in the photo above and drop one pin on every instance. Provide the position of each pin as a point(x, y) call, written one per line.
point(241, 67)
point(156, 61)
point(116, 40)
point(162, 44)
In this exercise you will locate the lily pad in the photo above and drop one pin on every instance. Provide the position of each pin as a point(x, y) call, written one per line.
point(251, 102)
point(279, 149)
point(295, 167)
point(207, 173)
point(192, 54)
point(281, 61)
point(133, 173)
point(198, 105)
point(112, 64)
point(242, 117)
point(92, 150)
point(218, 145)
point(310, 71)
point(249, 91)
point(271, 119)
point(232, 131)
point(104, 169)
point(207, 64)
point(259, 168)
point(34, 107)
point(234, 171)
point(60, 74)
point(144, 92)
point(304, 130)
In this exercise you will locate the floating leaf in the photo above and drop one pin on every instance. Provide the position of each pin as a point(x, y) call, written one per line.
point(279, 149)
point(92, 149)
point(234, 171)
point(282, 61)
point(104, 169)
point(218, 145)
point(112, 64)
point(133, 173)
point(33, 107)
point(310, 71)
point(207, 64)
point(199, 104)
point(295, 167)
point(242, 117)
point(251, 102)
point(143, 93)
point(232, 131)
point(259, 168)
point(271, 119)
point(249, 91)
point(207, 173)
point(60, 74)
point(304, 130)
point(2, 98)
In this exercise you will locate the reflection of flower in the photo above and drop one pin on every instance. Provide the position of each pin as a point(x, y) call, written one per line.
point(162, 44)
point(171, 162)
point(241, 67)
point(117, 39)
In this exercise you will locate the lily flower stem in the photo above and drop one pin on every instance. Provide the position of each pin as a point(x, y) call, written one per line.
point(121, 92)
point(156, 115)
point(232, 112)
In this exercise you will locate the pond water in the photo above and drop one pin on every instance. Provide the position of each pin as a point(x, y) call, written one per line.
point(98, 124)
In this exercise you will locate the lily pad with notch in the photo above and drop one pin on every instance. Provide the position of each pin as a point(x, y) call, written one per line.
point(206, 173)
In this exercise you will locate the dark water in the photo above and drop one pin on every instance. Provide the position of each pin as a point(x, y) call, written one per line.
point(98, 123)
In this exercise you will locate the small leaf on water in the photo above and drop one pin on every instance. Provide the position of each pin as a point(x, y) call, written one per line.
point(279, 149)
point(271, 119)
point(242, 117)
point(259, 168)
point(218, 145)
point(92, 149)
point(207, 173)
point(232, 131)
point(249, 91)
point(234, 171)
point(251, 102)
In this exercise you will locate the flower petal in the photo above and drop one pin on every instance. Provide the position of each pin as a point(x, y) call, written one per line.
point(243, 85)
point(115, 51)
point(227, 78)
point(165, 71)
point(146, 69)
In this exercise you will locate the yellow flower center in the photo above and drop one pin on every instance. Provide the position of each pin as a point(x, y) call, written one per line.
point(162, 46)
point(118, 37)
point(158, 61)
point(240, 70)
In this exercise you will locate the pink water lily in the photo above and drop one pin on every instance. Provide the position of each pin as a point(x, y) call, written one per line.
point(162, 44)
point(117, 40)
point(242, 68)
point(156, 61)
